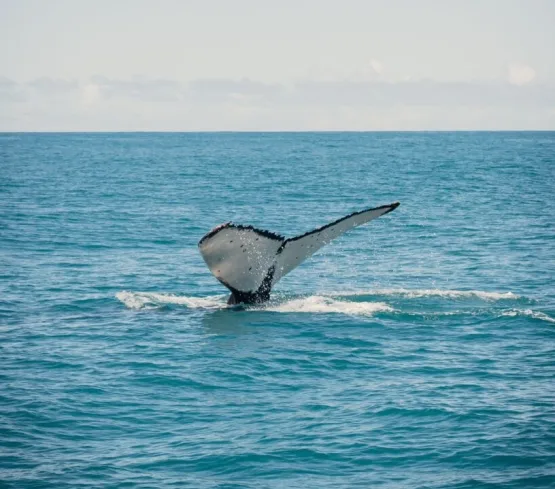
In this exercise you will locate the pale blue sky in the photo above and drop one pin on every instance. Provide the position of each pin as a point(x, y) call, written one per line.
point(291, 65)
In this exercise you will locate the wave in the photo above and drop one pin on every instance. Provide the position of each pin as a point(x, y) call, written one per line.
point(529, 313)
point(491, 313)
point(450, 294)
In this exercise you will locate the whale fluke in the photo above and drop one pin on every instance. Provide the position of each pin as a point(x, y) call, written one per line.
point(250, 261)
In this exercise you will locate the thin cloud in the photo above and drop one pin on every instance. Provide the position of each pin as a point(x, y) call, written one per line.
point(11, 92)
point(53, 86)
point(520, 74)
point(101, 103)
point(377, 66)
point(146, 89)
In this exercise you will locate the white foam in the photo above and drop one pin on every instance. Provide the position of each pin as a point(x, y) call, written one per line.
point(152, 300)
point(312, 304)
point(529, 313)
point(451, 294)
point(324, 304)
point(321, 304)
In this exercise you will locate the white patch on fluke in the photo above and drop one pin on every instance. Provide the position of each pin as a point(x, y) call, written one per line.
point(239, 256)
point(297, 250)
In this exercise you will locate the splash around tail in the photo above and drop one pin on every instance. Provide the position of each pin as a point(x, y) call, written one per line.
point(410, 304)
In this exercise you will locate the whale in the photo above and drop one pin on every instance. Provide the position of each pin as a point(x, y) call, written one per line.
point(251, 261)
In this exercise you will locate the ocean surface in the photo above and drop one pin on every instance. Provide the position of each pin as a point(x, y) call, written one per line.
point(417, 351)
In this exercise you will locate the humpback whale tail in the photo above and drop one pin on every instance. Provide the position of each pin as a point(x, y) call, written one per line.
point(250, 261)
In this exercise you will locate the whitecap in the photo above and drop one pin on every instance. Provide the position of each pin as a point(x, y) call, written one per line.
point(529, 313)
point(447, 293)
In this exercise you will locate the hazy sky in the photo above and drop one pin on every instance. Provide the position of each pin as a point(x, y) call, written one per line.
point(287, 65)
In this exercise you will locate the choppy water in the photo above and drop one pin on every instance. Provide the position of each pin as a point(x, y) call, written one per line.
point(415, 352)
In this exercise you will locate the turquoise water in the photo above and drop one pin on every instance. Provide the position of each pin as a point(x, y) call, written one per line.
point(417, 351)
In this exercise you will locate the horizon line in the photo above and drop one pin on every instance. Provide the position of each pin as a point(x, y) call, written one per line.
point(277, 131)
